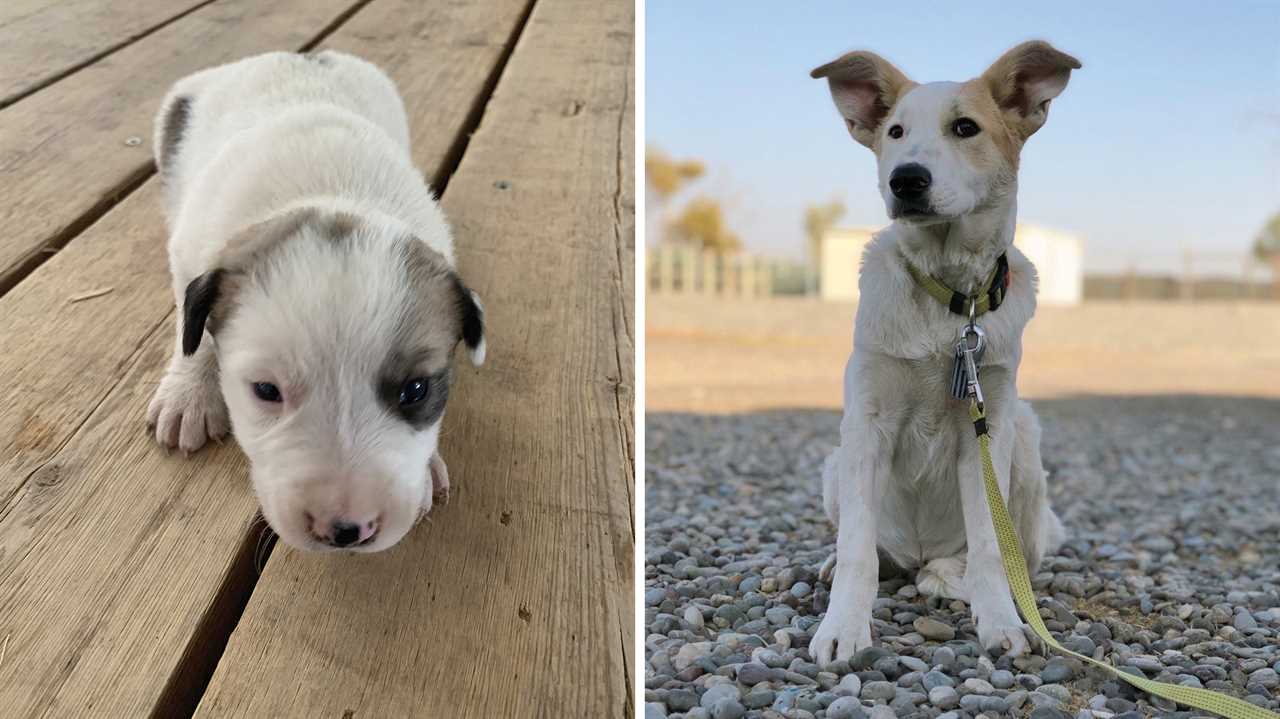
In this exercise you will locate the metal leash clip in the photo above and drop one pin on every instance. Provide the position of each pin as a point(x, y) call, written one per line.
point(968, 356)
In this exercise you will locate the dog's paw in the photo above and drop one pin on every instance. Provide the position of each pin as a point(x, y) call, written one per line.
point(439, 480)
point(943, 577)
point(839, 637)
point(187, 411)
point(1003, 638)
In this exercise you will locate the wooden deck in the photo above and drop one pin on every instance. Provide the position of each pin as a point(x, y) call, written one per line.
point(136, 583)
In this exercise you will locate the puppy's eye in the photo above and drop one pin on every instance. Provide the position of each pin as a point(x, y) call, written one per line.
point(964, 127)
point(414, 391)
point(895, 132)
point(267, 392)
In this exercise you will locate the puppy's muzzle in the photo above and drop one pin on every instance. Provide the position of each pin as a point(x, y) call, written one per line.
point(910, 182)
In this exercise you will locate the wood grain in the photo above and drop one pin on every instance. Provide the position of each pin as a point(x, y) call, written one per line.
point(116, 559)
point(41, 41)
point(515, 599)
point(65, 152)
point(110, 551)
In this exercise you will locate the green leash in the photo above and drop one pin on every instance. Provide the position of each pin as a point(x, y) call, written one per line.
point(1015, 568)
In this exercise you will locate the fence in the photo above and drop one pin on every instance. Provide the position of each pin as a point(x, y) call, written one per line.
point(682, 269)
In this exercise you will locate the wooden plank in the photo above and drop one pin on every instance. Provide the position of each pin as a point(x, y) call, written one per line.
point(119, 565)
point(67, 153)
point(41, 41)
point(515, 599)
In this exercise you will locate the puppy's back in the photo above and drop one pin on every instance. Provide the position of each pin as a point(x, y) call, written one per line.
point(204, 111)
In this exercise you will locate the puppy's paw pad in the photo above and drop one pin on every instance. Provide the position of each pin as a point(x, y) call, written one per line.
point(440, 497)
point(838, 639)
point(185, 413)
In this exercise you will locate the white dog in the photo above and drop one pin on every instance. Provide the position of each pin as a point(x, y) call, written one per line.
point(319, 306)
point(907, 477)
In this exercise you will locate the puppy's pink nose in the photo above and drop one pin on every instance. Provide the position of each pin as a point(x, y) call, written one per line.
point(344, 531)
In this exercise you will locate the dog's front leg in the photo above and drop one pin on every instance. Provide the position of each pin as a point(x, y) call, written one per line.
point(187, 409)
point(988, 590)
point(863, 470)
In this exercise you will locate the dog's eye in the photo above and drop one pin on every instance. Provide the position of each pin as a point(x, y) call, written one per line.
point(964, 127)
point(895, 132)
point(267, 392)
point(414, 391)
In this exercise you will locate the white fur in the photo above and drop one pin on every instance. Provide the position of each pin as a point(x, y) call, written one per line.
point(267, 135)
point(956, 185)
point(907, 476)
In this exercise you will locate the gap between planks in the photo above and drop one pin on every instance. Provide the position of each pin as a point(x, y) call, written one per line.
point(187, 685)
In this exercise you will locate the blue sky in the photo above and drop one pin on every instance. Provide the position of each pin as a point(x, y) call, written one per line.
point(1168, 138)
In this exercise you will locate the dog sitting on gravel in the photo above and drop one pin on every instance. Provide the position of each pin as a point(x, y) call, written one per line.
point(318, 301)
point(905, 486)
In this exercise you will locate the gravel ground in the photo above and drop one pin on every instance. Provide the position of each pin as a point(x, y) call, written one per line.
point(1170, 569)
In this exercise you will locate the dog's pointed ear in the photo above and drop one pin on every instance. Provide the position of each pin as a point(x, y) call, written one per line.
point(1025, 79)
point(472, 313)
point(199, 300)
point(865, 88)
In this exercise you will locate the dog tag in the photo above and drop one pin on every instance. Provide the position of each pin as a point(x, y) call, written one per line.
point(968, 357)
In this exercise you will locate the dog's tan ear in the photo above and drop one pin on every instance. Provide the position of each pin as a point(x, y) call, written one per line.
point(1025, 79)
point(865, 87)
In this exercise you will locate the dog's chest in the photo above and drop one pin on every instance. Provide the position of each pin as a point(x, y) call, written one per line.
point(926, 449)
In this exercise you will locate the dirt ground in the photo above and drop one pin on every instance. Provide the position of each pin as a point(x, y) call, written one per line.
point(725, 355)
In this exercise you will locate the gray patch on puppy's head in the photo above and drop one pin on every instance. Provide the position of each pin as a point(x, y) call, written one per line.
point(176, 119)
point(429, 327)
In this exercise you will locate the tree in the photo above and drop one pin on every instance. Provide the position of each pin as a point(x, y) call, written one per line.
point(1266, 247)
point(666, 176)
point(818, 220)
point(702, 223)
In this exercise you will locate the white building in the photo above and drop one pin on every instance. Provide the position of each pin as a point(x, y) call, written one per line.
point(1058, 257)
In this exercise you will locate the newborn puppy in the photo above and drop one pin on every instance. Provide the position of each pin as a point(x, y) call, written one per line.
point(318, 301)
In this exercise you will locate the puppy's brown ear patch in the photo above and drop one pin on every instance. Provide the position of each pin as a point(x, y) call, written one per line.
point(865, 87)
point(1025, 79)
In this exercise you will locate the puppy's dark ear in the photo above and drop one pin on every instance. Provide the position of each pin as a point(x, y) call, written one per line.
point(1025, 79)
point(865, 87)
point(202, 295)
point(472, 313)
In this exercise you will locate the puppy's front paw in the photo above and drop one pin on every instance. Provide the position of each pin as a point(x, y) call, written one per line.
point(1002, 638)
point(439, 480)
point(839, 637)
point(187, 411)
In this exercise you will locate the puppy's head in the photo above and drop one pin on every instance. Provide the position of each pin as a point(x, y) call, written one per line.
point(946, 149)
point(334, 337)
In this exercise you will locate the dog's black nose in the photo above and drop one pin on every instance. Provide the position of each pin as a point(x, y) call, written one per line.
point(910, 181)
point(345, 534)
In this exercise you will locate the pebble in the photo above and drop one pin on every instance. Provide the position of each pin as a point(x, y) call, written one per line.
point(845, 708)
point(1057, 670)
point(878, 691)
point(943, 697)
point(978, 686)
point(933, 629)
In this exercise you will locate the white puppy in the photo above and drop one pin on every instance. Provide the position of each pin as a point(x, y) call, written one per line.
point(319, 306)
point(907, 477)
